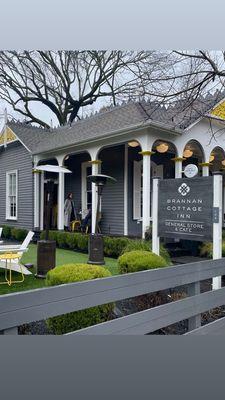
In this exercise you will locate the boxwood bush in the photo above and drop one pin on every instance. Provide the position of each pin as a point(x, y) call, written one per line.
point(113, 246)
point(146, 246)
point(10, 232)
point(140, 260)
point(78, 319)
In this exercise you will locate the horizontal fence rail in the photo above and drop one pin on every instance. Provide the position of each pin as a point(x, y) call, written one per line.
point(24, 307)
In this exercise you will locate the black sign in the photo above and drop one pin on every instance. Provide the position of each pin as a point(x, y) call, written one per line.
point(186, 208)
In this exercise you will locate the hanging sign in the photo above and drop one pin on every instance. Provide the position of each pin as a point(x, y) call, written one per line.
point(185, 208)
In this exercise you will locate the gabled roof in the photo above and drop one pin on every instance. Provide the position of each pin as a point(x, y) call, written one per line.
point(177, 116)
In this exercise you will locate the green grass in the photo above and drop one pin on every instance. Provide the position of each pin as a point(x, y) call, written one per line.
point(62, 257)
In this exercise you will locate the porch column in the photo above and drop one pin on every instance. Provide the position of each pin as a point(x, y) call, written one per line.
point(61, 200)
point(42, 201)
point(36, 199)
point(205, 168)
point(96, 164)
point(178, 166)
point(146, 191)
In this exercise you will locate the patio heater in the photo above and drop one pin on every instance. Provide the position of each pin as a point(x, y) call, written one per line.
point(46, 249)
point(95, 247)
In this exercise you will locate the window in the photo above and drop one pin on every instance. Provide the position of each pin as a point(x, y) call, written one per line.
point(11, 194)
point(86, 187)
point(156, 170)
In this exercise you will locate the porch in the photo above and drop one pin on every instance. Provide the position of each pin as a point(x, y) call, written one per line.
point(126, 206)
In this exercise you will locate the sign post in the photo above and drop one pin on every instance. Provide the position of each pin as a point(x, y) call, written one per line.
point(217, 223)
point(155, 205)
point(189, 209)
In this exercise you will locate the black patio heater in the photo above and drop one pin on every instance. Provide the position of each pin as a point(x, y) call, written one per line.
point(46, 249)
point(95, 246)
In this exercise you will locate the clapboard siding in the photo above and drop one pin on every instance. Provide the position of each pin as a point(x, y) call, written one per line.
point(73, 181)
point(15, 156)
point(113, 194)
point(134, 227)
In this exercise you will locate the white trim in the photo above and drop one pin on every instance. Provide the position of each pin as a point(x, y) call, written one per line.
point(7, 206)
point(217, 227)
point(126, 189)
point(84, 167)
point(137, 188)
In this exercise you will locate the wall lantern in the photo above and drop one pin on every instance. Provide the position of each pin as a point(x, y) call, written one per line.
point(211, 158)
point(134, 143)
point(187, 153)
point(223, 163)
point(162, 147)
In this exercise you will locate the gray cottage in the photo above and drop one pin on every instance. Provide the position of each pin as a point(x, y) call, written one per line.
point(133, 143)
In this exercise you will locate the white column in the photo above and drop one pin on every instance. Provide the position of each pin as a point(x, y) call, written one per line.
point(205, 168)
point(155, 237)
point(36, 199)
point(95, 170)
point(217, 227)
point(61, 200)
point(126, 190)
point(146, 191)
point(178, 166)
point(42, 201)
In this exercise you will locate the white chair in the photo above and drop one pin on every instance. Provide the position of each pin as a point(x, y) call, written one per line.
point(10, 256)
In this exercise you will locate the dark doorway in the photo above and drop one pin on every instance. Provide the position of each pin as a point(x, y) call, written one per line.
point(54, 210)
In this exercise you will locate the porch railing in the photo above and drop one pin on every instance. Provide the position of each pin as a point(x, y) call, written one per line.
point(24, 307)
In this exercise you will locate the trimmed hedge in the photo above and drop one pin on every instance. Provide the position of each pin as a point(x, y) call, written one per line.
point(146, 246)
point(78, 319)
point(140, 260)
point(10, 232)
point(113, 246)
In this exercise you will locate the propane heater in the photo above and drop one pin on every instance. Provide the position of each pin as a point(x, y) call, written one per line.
point(46, 249)
point(95, 248)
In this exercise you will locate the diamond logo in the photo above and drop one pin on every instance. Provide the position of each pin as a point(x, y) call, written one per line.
point(184, 189)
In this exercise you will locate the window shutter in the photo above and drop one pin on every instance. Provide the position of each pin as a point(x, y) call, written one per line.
point(137, 190)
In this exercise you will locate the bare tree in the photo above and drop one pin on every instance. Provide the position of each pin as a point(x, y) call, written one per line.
point(66, 81)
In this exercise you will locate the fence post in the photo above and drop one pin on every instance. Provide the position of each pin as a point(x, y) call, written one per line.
point(193, 290)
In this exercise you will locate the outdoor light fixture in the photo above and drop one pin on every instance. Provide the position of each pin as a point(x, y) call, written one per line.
point(211, 158)
point(223, 163)
point(95, 248)
point(187, 153)
point(134, 143)
point(162, 147)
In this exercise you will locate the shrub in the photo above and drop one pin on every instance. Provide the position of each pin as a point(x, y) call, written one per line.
point(78, 319)
point(114, 246)
point(18, 234)
point(206, 250)
point(6, 231)
point(82, 242)
point(146, 246)
point(72, 241)
point(140, 260)
point(61, 239)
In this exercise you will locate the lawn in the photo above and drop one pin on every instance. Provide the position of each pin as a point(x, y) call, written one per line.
point(62, 257)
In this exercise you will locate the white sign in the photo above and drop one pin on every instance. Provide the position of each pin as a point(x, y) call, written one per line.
point(190, 170)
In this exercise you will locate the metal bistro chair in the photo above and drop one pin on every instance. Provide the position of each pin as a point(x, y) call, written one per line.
point(10, 256)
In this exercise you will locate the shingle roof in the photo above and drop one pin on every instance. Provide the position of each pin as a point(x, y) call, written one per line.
point(178, 115)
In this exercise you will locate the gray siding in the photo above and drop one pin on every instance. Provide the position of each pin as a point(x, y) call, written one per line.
point(73, 181)
point(15, 156)
point(134, 228)
point(113, 194)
